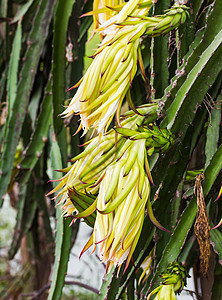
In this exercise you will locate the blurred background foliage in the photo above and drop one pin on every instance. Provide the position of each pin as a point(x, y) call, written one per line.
point(43, 52)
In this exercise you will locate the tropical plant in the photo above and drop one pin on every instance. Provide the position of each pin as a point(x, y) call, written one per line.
point(148, 180)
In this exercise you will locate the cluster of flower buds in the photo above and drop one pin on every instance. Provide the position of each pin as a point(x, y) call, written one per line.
point(108, 184)
point(105, 84)
point(162, 24)
point(157, 140)
point(174, 280)
point(87, 170)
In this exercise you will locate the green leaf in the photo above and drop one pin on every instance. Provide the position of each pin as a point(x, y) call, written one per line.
point(22, 11)
point(196, 6)
point(160, 56)
point(3, 107)
point(38, 139)
point(184, 100)
point(212, 170)
point(13, 67)
point(3, 82)
point(85, 25)
point(173, 248)
point(62, 14)
point(33, 107)
point(170, 168)
point(36, 39)
point(217, 287)
point(216, 242)
point(213, 131)
point(63, 236)
point(189, 92)
point(107, 284)
point(26, 212)
point(130, 291)
point(175, 206)
point(186, 37)
point(4, 10)
point(178, 79)
point(43, 211)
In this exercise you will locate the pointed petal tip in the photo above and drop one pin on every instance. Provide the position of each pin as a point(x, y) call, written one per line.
point(153, 184)
point(69, 89)
point(55, 180)
point(217, 198)
point(61, 171)
point(140, 195)
point(48, 194)
point(82, 181)
point(81, 253)
point(218, 225)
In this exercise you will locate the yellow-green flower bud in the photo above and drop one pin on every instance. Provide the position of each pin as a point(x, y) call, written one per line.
point(174, 280)
point(157, 139)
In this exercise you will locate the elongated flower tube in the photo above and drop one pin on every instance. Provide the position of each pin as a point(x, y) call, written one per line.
point(102, 89)
point(174, 280)
point(88, 168)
